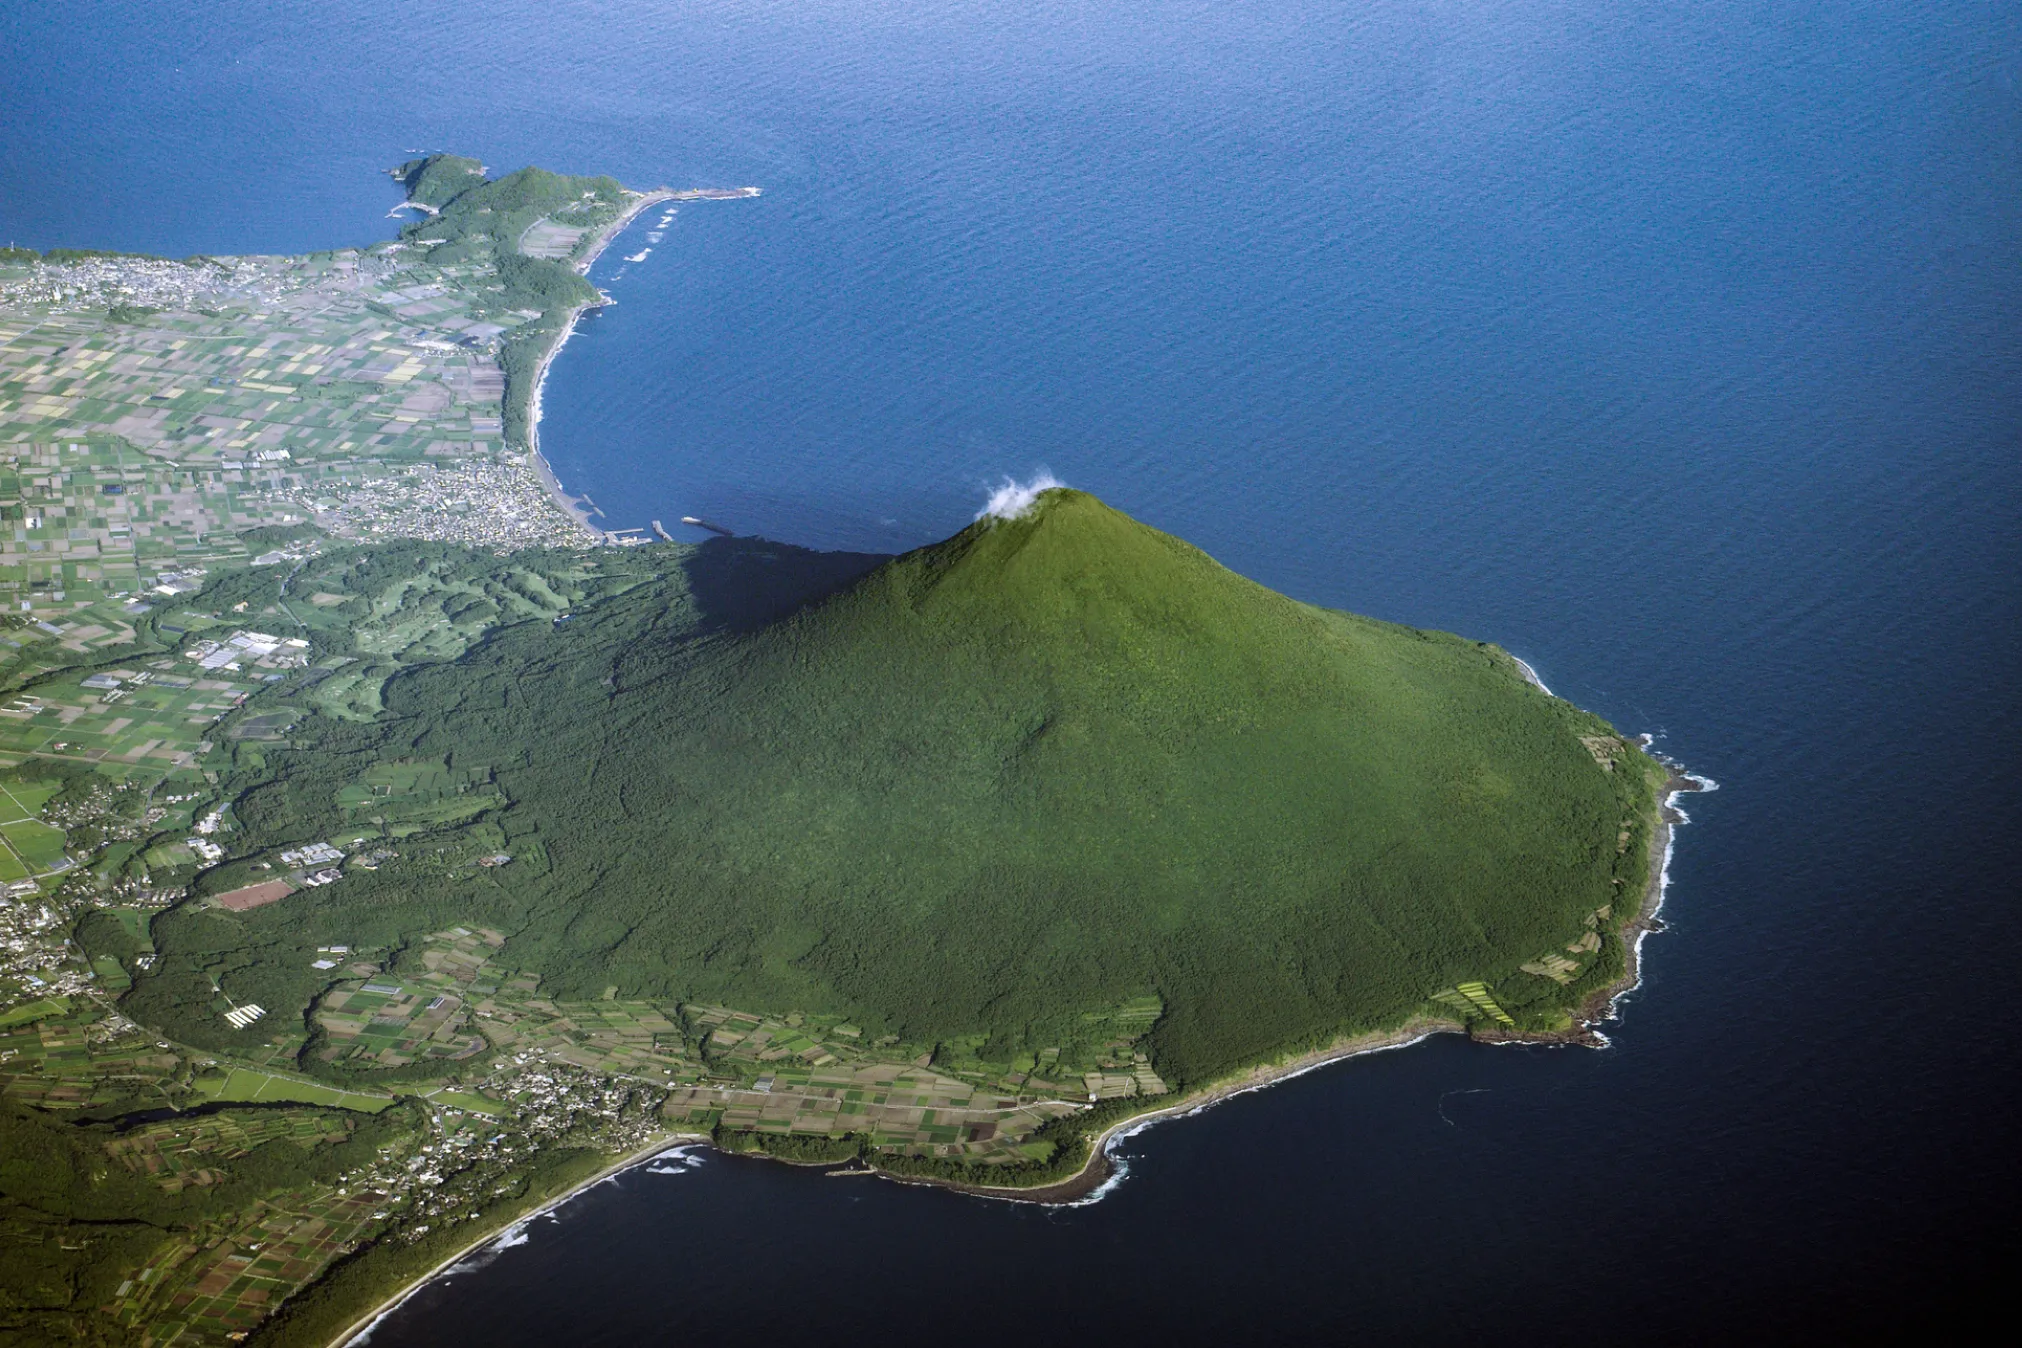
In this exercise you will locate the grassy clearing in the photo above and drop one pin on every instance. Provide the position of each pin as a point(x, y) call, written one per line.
point(39, 845)
point(243, 1085)
point(30, 1012)
point(468, 1101)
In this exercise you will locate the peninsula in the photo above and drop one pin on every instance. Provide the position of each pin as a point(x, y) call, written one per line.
point(388, 854)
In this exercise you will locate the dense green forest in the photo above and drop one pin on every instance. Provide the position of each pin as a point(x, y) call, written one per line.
point(1049, 765)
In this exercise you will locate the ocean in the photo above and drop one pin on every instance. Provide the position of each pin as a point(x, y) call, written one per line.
point(1677, 348)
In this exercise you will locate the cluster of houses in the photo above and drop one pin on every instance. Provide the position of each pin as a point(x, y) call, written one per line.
point(317, 861)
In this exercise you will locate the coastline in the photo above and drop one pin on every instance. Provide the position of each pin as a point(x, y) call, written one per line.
point(1663, 842)
point(362, 1325)
point(570, 505)
point(1102, 1171)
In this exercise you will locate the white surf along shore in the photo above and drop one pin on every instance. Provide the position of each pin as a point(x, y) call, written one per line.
point(581, 508)
point(491, 1244)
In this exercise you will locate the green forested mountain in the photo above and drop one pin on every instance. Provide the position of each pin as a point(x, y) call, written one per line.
point(1052, 764)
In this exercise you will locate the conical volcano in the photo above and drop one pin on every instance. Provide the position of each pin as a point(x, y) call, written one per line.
point(1053, 764)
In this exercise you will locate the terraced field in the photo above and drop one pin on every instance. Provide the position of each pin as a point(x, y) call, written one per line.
point(183, 1152)
point(63, 1061)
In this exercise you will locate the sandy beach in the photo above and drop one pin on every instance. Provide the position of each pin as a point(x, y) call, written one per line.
point(573, 506)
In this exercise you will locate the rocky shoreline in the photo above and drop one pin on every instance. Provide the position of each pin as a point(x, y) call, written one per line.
point(1101, 1169)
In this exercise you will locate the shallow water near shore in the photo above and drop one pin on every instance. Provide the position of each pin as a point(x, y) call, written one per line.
point(1678, 349)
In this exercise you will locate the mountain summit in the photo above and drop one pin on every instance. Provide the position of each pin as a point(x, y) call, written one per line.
point(1071, 585)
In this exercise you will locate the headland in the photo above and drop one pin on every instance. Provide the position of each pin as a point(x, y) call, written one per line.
point(1101, 1170)
point(334, 464)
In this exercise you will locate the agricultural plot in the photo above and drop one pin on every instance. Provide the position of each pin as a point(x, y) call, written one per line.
point(460, 957)
point(625, 1039)
point(217, 1291)
point(29, 1012)
point(742, 1038)
point(28, 846)
point(1473, 999)
point(63, 1062)
point(1100, 1060)
point(196, 1151)
point(1118, 1084)
point(264, 391)
point(468, 1101)
point(89, 525)
point(130, 716)
point(1563, 966)
point(815, 1076)
point(25, 799)
point(389, 1022)
point(619, 1038)
point(38, 845)
point(909, 1108)
point(547, 238)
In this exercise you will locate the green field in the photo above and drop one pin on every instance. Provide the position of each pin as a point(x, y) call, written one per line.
point(243, 1085)
point(30, 1012)
point(466, 1100)
point(39, 846)
point(24, 800)
point(28, 847)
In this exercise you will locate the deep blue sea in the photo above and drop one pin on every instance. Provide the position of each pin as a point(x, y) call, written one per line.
point(1677, 347)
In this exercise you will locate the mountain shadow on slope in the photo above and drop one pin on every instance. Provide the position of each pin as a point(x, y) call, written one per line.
point(742, 584)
